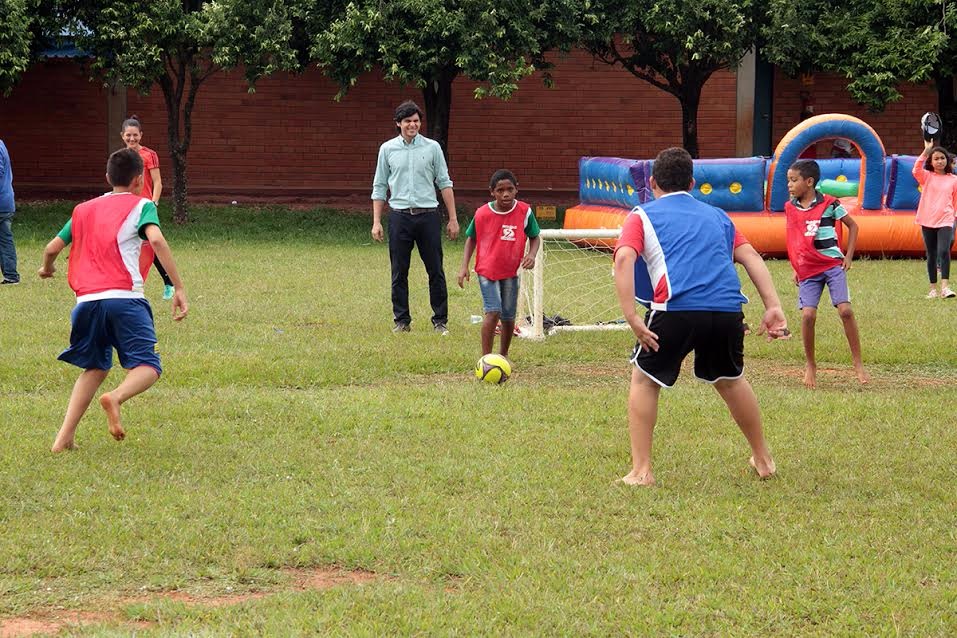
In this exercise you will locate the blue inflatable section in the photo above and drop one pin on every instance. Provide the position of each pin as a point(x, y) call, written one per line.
point(903, 191)
point(902, 188)
point(613, 181)
point(734, 185)
point(865, 139)
point(849, 170)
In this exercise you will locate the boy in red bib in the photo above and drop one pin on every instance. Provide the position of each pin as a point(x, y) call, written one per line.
point(817, 260)
point(107, 236)
point(497, 235)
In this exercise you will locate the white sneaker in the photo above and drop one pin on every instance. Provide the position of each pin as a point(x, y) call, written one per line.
point(933, 294)
point(947, 293)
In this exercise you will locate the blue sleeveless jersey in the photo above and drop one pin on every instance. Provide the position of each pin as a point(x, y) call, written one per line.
point(687, 262)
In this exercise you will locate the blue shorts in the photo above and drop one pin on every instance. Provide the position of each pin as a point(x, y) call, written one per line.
point(500, 296)
point(99, 326)
point(810, 289)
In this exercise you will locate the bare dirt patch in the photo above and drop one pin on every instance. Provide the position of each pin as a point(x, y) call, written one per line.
point(47, 622)
point(52, 621)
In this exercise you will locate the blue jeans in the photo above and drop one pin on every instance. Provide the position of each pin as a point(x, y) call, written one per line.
point(8, 252)
point(500, 297)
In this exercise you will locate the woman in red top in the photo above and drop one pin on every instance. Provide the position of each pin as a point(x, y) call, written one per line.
point(132, 133)
point(934, 171)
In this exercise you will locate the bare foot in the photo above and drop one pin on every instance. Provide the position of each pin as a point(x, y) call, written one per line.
point(644, 479)
point(862, 375)
point(810, 377)
point(59, 446)
point(112, 408)
point(765, 469)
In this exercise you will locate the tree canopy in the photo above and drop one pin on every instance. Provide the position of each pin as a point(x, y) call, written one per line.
point(178, 45)
point(430, 43)
point(16, 39)
point(673, 44)
point(875, 44)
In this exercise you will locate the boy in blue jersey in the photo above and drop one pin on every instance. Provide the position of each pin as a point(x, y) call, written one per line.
point(676, 256)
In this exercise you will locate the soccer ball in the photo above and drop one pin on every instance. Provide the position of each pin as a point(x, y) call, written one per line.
point(493, 368)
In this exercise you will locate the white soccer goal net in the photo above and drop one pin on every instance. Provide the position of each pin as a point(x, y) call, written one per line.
point(571, 287)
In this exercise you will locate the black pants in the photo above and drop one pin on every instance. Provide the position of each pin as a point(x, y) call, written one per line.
point(937, 241)
point(162, 272)
point(424, 231)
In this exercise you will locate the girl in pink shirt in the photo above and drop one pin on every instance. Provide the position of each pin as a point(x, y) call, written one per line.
point(934, 171)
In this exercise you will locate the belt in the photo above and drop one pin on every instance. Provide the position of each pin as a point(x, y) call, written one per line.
point(415, 211)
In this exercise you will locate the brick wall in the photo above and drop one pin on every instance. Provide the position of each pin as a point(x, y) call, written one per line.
point(54, 127)
point(290, 138)
point(898, 125)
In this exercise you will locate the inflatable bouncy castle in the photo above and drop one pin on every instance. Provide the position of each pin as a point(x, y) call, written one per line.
point(879, 191)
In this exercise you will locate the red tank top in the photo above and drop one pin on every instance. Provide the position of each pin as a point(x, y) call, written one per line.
point(500, 241)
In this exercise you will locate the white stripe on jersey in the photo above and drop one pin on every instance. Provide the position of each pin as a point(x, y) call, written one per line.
point(654, 258)
point(129, 242)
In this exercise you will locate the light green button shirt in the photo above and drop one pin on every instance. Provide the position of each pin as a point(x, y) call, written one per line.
point(410, 172)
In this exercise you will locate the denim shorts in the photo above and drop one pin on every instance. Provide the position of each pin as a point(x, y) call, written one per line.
point(500, 296)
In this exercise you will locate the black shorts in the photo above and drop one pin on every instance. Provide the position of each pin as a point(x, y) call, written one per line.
point(717, 339)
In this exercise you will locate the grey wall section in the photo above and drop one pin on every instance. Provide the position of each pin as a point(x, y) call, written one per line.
point(744, 107)
point(763, 106)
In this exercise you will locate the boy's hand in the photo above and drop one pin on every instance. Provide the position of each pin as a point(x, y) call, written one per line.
point(774, 324)
point(797, 282)
point(377, 233)
point(847, 263)
point(46, 274)
point(180, 305)
point(463, 276)
point(453, 229)
point(646, 337)
point(528, 261)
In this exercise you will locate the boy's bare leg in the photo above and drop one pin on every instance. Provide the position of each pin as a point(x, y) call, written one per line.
point(743, 405)
point(83, 391)
point(488, 332)
point(137, 380)
point(808, 319)
point(853, 340)
point(505, 339)
point(642, 415)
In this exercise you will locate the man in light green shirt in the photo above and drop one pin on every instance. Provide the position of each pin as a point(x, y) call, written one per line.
point(410, 168)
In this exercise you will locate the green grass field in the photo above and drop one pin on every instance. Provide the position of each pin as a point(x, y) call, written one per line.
point(292, 430)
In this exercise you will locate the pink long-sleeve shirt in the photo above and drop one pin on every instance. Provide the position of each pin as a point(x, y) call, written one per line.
point(938, 197)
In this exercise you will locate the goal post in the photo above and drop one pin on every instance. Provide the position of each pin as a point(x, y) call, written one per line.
point(571, 288)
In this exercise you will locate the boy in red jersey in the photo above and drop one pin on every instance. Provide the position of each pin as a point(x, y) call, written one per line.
point(498, 232)
point(817, 260)
point(107, 234)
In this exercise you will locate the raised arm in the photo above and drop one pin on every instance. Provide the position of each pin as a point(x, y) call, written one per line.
point(920, 173)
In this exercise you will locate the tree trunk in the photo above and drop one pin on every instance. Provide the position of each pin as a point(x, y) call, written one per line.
point(690, 99)
point(437, 94)
point(182, 79)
